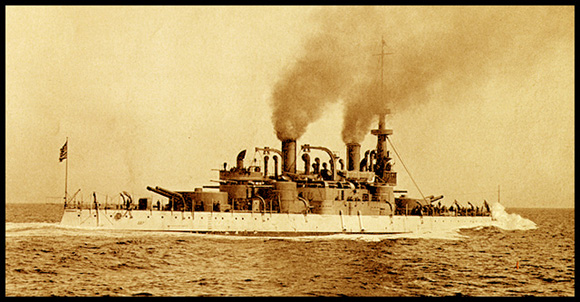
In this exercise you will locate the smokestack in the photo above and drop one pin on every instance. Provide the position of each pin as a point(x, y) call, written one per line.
point(275, 166)
point(306, 159)
point(266, 165)
point(289, 156)
point(352, 156)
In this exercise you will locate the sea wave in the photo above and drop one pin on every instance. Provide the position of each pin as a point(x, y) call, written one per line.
point(446, 235)
point(48, 229)
point(28, 226)
point(510, 222)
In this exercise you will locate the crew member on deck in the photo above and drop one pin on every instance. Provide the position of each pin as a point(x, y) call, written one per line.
point(325, 173)
point(316, 166)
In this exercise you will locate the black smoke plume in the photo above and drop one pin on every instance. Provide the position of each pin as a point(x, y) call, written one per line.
point(454, 48)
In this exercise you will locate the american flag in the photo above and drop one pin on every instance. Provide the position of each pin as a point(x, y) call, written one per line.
point(63, 152)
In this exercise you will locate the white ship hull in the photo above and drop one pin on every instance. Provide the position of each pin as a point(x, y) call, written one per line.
point(269, 223)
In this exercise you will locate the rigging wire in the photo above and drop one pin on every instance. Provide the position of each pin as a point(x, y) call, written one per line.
point(404, 166)
point(410, 176)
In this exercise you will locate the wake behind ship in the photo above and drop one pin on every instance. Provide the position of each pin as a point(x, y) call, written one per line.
point(323, 198)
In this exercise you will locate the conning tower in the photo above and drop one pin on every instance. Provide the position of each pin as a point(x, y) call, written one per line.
point(382, 168)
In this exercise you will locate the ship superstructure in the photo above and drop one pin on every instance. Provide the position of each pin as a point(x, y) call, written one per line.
point(362, 187)
point(324, 197)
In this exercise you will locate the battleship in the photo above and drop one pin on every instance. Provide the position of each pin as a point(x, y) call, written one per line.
point(356, 198)
point(323, 198)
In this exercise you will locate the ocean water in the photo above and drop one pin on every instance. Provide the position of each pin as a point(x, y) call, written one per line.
point(530, 253)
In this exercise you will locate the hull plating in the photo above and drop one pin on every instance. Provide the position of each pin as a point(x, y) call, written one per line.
point(252, 223)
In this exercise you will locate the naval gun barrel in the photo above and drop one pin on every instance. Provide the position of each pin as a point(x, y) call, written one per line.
point(434, 199)
point(158, 192)
point(165, 192)
point(169, 194)
point(172, 193)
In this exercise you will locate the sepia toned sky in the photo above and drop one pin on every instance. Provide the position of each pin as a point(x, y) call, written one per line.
point(480, 97)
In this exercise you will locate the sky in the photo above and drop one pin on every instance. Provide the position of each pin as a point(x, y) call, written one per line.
point(480, 97)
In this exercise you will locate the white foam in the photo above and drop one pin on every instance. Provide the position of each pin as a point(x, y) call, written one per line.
point(446, 235)
point(25, 226)
point(509, 221)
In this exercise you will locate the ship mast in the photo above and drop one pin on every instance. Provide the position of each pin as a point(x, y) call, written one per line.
point(383, 54)
point(382, 132)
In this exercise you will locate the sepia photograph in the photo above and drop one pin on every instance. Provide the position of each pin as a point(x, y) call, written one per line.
point(289, 151)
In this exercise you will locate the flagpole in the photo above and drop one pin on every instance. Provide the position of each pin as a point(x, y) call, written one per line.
point(66, 172)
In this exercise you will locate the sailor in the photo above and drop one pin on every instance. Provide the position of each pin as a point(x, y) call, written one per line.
point(325, 173)
point(388, 162)
point(316, 166)
point(486, 205)
point(363, 164)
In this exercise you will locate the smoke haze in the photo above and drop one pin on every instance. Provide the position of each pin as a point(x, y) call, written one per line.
point(323, 72)
point(455, 48)
point(452, 48)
